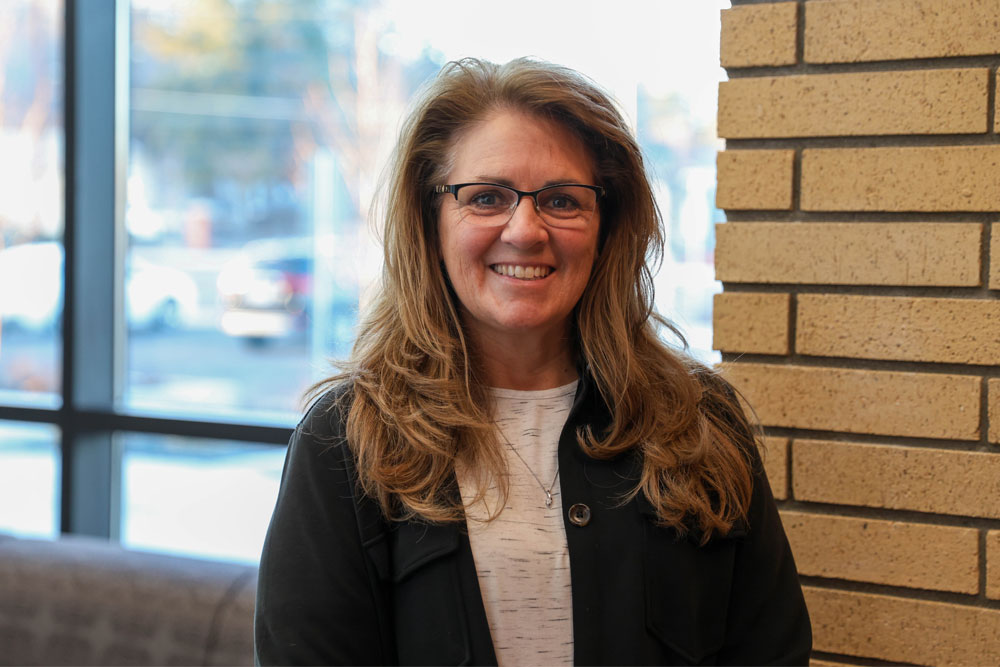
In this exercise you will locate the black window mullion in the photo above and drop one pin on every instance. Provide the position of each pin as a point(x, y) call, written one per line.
point(89, 476)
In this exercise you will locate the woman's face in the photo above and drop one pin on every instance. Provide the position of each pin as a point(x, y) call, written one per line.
point(525, 152)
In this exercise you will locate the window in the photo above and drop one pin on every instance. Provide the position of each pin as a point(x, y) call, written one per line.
point(195, 496)
point(215, 247)
point(31, 189)
point(29, 471)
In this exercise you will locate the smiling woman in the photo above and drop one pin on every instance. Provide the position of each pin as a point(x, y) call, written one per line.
point(514, 467)
point(518, 282)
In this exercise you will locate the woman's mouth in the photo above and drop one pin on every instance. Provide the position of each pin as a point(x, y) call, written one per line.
point(521, 272)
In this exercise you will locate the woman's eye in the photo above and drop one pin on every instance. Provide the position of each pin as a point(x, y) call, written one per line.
point(562, 202)
point(487, 199)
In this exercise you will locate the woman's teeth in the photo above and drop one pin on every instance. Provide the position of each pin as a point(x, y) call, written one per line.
point(522, 272)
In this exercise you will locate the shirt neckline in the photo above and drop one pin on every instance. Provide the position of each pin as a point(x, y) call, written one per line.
point(534, 394)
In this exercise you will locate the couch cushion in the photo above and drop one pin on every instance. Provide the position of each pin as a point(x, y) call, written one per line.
point(84, 601)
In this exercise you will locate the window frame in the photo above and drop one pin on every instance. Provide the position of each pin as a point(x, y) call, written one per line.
point(96, 138)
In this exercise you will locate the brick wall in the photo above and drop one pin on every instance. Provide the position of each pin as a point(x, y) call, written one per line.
point(861, 308)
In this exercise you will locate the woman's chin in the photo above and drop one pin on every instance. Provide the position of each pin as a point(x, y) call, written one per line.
point(527, 325)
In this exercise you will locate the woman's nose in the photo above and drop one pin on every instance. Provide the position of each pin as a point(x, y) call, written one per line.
point(526, 227)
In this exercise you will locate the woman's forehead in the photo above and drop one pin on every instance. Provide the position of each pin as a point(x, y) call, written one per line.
point(509, 145)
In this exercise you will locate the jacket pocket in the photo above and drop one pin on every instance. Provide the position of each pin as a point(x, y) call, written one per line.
point(687, 592)
point(429, 612)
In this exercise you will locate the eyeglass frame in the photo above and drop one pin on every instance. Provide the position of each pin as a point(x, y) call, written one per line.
point(521, 194)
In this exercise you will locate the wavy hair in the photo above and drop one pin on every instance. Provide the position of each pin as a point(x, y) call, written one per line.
point(418, 405)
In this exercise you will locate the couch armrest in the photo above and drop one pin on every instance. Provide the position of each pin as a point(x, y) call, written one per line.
point(85, 601)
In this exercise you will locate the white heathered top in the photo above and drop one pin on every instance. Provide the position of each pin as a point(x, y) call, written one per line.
point(522, 559)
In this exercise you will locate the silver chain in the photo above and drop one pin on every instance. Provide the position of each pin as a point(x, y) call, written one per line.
point(548, 491)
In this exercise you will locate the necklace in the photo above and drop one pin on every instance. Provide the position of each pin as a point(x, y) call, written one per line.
point(548, 491)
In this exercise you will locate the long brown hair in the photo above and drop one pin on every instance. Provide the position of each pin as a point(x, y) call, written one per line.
point(417, 403)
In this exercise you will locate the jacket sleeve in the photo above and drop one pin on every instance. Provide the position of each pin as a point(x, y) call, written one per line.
point(768, 620)
point(316, 595)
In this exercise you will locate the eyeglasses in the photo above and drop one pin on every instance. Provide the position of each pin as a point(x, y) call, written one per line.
point(569, 205)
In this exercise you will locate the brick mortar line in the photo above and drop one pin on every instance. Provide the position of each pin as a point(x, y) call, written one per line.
point(987, 246)
point(890, 514)
point(874, 439)
point(977, 601)
point(854, 141)
point(789, 475)
point(793, 312)
point(796, 181)
point(848, 660)
point(802, 67)
point(800, 33)
point(991, 94)
point(976, 293)
point(860, 217)
point(874, 365)
point(984, 414)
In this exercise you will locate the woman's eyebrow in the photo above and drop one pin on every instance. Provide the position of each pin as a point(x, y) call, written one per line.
point(495, 179)
point(510, 184)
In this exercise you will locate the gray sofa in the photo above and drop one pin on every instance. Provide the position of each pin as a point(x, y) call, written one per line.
point(82, 601)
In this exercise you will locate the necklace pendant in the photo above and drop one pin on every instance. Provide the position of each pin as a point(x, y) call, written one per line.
point(548, 499)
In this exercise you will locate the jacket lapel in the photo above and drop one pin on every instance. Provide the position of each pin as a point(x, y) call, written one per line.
point(440, 618)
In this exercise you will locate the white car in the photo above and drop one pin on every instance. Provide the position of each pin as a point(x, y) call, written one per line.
point(158, 296)
point(268, 291)
point(31, 290)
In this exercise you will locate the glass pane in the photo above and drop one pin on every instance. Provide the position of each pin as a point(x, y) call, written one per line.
point(29, 479)
point(204, 498)
point(31, 195)
point(258, 129)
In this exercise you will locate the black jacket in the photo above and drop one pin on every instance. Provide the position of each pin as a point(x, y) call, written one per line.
point(339, 585)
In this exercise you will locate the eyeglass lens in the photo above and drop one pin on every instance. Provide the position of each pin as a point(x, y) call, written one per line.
point(560, 206)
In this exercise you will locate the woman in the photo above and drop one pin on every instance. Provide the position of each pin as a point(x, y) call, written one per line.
point(514, 468)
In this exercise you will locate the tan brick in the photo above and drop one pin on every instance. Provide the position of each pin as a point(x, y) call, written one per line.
point(995, 256)
point(755, 179)
point(942, 481)
point(935, 178)
point(951, 101)
point(965, 331)
point(759, 35)
point(903, 630)
point(749, 322)
point(776, 465)
point(813, 662)
point(993, 392)
point(929, 405)
point(846, 253)
point(941, 558)
point(863, 30)
point(993, 564)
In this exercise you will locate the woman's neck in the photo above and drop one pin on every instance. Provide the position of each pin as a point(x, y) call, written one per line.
point(526, 362)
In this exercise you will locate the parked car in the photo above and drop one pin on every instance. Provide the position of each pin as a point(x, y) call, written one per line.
point(31, 290)
point(268, 292)
point(158, 297)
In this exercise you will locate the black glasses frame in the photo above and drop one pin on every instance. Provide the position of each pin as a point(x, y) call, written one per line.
point(521, 194)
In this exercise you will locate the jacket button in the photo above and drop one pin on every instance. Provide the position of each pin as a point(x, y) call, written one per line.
point(579, 514)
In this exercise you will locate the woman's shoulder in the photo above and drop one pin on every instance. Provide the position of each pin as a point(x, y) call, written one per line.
point(327, 412)
point(721, 402)
point(318, 443)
